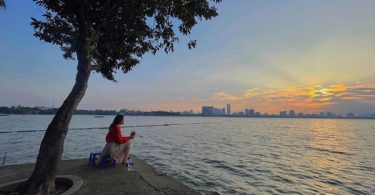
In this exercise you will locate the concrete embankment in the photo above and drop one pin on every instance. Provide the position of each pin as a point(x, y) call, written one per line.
point(142, 179)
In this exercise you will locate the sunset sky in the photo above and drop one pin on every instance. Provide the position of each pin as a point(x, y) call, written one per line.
point(270, 55)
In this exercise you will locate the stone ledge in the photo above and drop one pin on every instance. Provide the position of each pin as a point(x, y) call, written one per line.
point(142, 179)
point(76, 183)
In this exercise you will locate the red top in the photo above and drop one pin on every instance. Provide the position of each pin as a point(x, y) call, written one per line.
point(114, 135)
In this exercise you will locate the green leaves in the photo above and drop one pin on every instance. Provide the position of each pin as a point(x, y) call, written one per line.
point(120, 32)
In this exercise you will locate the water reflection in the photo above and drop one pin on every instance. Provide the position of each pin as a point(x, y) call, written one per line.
point(235, 156)
point(327, 154)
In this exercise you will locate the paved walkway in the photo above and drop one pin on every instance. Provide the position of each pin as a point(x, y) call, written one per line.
point(142, 179)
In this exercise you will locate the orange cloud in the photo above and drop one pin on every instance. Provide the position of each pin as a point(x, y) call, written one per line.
point(305, 98)
point(224, 96)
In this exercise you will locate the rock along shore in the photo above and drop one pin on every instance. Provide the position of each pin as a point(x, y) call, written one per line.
point(142, 179)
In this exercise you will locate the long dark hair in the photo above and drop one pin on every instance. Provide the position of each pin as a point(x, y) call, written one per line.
point(117, 120)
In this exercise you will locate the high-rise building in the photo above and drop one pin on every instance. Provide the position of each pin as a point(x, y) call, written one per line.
point(283, 114)
point(249, 112)
point(291, 113)
point(215, 111)
point(212, 111)
point(252, 112)
point(330, 114)
point(228, 109)
point(222, 111)
point(208, 110)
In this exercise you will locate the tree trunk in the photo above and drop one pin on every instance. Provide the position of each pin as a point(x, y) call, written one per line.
point(42, 180)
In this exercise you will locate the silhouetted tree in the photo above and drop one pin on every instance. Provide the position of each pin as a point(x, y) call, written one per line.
point(104, 36)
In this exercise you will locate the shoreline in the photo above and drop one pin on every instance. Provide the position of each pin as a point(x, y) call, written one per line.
point(208, 116)
point(142, 179)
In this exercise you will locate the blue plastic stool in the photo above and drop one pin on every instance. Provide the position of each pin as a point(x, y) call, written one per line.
point(93, 156)
point(105, 161)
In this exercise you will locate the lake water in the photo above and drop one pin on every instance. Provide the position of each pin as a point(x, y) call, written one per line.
point(226, 155)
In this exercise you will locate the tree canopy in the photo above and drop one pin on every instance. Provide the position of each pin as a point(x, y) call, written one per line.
point(109, 35)
point(120, 32)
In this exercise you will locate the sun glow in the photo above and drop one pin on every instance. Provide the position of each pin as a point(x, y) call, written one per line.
point(304, 98)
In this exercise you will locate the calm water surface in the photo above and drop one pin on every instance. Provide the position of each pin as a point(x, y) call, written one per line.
point(227, 155)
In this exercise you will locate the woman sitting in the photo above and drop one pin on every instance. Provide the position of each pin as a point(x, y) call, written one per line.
point(117, 145)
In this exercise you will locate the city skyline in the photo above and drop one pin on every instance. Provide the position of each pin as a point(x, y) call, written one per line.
point(308, 56)
point(206, 110)
point(251, 112)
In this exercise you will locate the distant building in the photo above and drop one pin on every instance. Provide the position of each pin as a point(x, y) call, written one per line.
point(350, 115)
point(330, 114)
point(222, 111)
point(190, 112)
point(41, 107)
point(249, 112)
point(207, 110)
point(228, 109)
point(212, 111)
point(252, 112)
point(291, 113)
point(216, 111)
point(241, 114)
point(283, 114)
